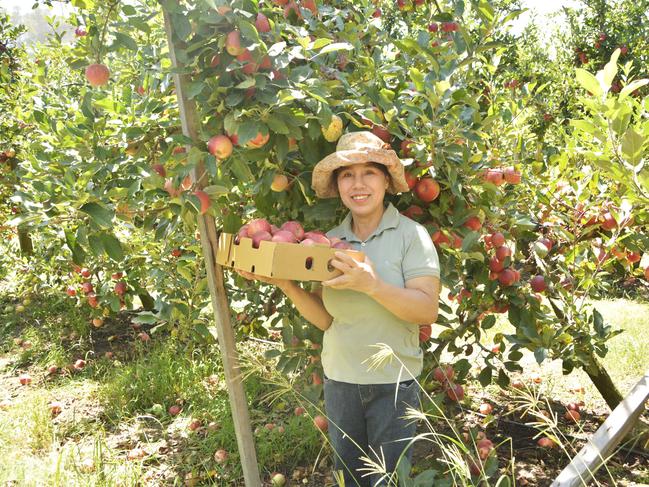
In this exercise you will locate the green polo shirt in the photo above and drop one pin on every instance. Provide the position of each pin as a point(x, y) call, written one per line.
point(400, 249)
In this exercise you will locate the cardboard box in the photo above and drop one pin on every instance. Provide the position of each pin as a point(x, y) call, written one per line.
point(280, 260)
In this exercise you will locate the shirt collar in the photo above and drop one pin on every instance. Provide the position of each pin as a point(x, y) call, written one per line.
point(390, 219)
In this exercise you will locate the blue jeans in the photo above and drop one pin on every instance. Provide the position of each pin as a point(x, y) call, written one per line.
point(364, 422)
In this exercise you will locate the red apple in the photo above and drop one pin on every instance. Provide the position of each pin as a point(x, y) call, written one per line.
point(425, 332)
point(259, 236)
point(495, 176)
point(512, 176)
point(496, 265)
point(79, 364)
point(573, 406)
point(204, 199)
point(92, 300)
point(545, 442)
point(486, 408)
point(413, 212)
point(70, 291)
point(220, 146)
point(249, 66)
point(85, 272)
point(427, 189)
point(284, 236)
point(174, 410)
point(56, 407)
point(608, 221)
point(120, 288)
point(97, 322)
point(52, 369)
point(299, 411)
point(280, 183)
point(497, 239)
point(87, 287)
point(538, 284)
point(321, 423)
point(503, 252)
point(382, 133)
point(507, 277)
point(220, 456)
point(233, 44)
point(278, 480)
point(444, 373)
point(411, 180)
point(547, 242)
point(473, 223)
point(316, 238)
point(572, 416)
point(97, 74)
point(262, 23)
point(295, 228)
point(144, 336)
point(159, 169)
point(450, 26)
point(259, 141)
point(258, 225)
point(25, 379)
point(455, 392)
point(342, 245)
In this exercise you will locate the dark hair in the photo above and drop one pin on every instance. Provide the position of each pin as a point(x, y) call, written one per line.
point(377, 165)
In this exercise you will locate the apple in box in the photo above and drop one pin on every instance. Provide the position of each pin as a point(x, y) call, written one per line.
point(315, 238)
point(295, 228)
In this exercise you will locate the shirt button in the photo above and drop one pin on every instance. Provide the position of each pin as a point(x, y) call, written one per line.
point(362, 244)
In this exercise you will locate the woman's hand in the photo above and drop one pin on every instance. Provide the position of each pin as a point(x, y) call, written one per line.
point(280, 283)
point(357, 276)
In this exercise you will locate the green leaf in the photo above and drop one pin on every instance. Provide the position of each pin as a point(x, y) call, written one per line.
point(96, 245)
point(631, 87)
point(145, 318)
point(113, 247)
point(584, 125)
point(598, 323)
point(540, 354)
point(607, 75)
point(336, 46)
point(181, 26)
point(632, 143)
point(588, 82)
point(241, 171)
point(101, 215)
point(277, 125)
point(485, 376)
point(248, 31)
point(126, 41)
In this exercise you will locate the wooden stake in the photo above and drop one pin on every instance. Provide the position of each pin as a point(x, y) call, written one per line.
point(209, 238)
point(593, 455)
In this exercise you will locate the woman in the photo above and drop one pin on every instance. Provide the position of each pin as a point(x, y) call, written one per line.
point(380, 300)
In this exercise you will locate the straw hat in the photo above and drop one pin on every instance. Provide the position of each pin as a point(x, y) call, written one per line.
point(357, 148)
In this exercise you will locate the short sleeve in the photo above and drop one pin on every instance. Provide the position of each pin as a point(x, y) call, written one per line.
point(420, 256)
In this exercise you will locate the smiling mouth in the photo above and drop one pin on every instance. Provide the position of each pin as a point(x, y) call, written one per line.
point(360, 197)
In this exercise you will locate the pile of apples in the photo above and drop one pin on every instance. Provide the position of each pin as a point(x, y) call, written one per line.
point(445, 375)
point(289, 232)
point(505, 275)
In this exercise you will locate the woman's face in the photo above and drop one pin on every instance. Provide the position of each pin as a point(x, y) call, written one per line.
point(362, 188)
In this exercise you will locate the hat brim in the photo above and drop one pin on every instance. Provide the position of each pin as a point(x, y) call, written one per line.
point(325, 187)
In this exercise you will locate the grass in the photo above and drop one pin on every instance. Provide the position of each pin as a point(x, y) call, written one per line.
point(115, 406)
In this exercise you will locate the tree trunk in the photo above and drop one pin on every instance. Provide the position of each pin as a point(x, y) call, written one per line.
point(26, 245)
point(604, 383)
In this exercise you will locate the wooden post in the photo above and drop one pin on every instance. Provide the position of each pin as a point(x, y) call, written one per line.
point(582, 468)
point(209, 238)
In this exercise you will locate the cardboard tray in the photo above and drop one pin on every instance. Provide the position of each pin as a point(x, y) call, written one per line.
point(280, 260)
